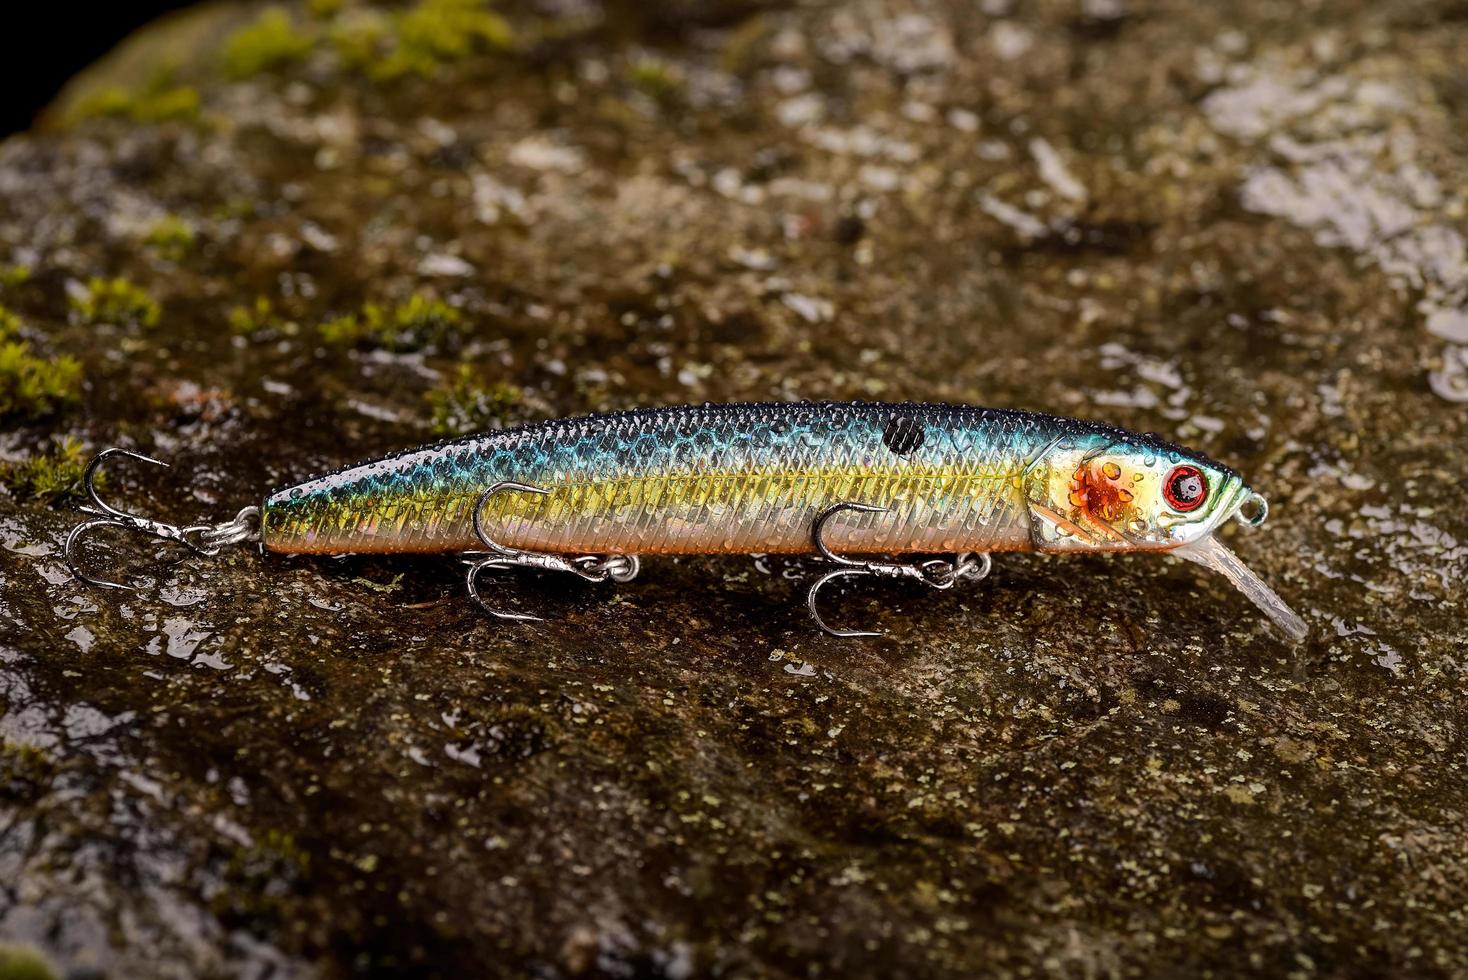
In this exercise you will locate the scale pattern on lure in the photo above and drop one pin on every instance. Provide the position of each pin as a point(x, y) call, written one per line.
point(590, 494)
point(751, 478)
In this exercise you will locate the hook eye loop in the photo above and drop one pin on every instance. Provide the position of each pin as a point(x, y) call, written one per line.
point(1254, 510)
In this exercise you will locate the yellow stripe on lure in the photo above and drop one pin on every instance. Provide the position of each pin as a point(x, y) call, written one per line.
point(589, 495)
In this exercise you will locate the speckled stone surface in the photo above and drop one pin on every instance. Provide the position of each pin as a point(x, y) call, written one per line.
point(1243, 232)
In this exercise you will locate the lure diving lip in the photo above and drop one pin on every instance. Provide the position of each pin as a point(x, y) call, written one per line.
point(589, 495)
point(1211, 553)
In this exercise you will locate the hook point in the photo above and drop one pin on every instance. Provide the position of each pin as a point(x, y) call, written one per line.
point(105, 515)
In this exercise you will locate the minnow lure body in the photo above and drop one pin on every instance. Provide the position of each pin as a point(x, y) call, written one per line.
point(826, 478)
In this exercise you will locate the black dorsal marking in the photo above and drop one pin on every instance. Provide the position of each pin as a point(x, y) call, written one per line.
point(903, 434)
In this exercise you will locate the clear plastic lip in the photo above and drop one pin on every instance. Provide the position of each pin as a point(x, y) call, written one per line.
point(1209, 552)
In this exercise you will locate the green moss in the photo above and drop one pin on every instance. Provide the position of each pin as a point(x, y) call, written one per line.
point(14, 276)
point(451, 29)
point(179, 103)
point(657, 80)
point(35, 386)
point(32, 386)
point(423, 316)
point(260, 877)
point(162, 99)
point(417, 41)
point(25, 963)
point(236, 209)
point(117, 301)
point(23, 760)
point(344, 329)
point(436, 32)
point(48, 477)
point(418, 322)
point(171, 237)
point(259, 319)
point(742, 44)
point(324, 9)
point(394, 585)
point(274, 851)
point(271, 41)
point(463, 404)
point(25, 774)
point(112, 101)
point(359, 38)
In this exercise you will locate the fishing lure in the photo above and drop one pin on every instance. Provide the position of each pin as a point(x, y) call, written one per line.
point(587, 496)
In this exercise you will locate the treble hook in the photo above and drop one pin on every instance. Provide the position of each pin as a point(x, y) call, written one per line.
point(201, 539)
point(591, 568)
point(936, 573)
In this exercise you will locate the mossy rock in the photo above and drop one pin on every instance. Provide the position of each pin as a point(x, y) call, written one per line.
point(373, 225)
point(25, 963)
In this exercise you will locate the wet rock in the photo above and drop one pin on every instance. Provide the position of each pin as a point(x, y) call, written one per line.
point(1244, 230)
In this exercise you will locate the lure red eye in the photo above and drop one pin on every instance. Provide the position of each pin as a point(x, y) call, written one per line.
point(1185, 488)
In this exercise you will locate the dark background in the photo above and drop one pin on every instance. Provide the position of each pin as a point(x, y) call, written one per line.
point(49, 42)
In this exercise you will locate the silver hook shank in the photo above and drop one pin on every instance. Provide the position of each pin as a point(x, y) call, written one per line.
point(936, 573)
point(591, 568)
point(201, 539)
